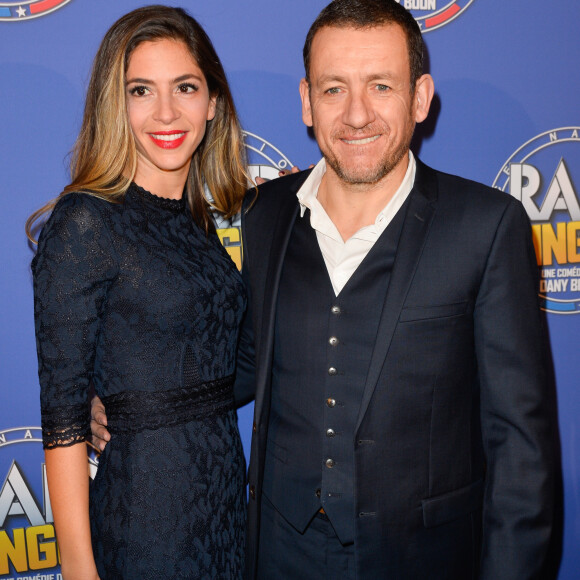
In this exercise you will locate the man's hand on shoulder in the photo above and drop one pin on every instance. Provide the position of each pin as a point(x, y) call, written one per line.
point(281, 173)
point(99, 424)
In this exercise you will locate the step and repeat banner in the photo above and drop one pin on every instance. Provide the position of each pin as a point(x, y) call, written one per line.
point(505, 113)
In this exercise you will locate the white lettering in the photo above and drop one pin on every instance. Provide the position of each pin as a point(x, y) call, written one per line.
point(525, 183)
point(47, 505)
point(561, 194)
point(568, 272)
point(553, 285)
point(16, 499)
point(421, 4)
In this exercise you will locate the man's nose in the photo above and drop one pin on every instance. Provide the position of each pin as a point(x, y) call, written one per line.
point(359, 111)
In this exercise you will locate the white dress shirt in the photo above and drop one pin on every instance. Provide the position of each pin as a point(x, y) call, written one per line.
point(343, 258)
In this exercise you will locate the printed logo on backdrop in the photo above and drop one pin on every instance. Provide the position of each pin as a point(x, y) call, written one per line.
point(28, 546)
point(12, 11)
point(433, 14)
point(264, 160)
point(543, 174)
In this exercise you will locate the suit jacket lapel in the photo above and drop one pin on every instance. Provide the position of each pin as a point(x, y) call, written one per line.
point(418, 219)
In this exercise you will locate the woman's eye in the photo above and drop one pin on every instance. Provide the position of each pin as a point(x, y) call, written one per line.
point(187, 88)
point(139, 91)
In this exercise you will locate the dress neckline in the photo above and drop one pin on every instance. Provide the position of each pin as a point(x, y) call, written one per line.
point(175, 205)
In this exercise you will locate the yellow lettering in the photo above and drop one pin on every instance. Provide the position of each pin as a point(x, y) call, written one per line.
point(537, 237)
point(230, 239)
point(41, 554)
point(14, 552)
point(573, 242)
point(554, 243)
point(561, 245)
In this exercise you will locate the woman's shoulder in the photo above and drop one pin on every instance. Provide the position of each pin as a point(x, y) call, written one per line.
point(80, 203)
point(77, 214)
point(78, 227)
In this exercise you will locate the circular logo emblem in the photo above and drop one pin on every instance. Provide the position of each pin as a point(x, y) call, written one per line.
point(432, 14)
point(542, 174)
point(28, 9)
point(265, 160)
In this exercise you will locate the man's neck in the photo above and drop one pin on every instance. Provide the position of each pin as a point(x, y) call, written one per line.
point(354, 206)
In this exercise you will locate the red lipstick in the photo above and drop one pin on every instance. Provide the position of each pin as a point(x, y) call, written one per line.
point(168, 139)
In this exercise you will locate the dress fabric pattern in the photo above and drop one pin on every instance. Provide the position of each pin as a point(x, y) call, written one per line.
point(134, 298)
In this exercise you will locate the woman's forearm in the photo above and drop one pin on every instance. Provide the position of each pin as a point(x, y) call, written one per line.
point(68, 485)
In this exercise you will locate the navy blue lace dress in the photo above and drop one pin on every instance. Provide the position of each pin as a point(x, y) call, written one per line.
point(135, 298)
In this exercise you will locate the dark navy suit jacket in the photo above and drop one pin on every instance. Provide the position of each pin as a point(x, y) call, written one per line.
point(454, 473)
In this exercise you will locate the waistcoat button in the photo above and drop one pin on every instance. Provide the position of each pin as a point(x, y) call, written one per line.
point(330, 432)
point(333, 341)
point(329, 463)
point(335, 310)
point(330, 403)
point(332, 371)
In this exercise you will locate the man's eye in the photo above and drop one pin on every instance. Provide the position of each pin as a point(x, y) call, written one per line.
point(333, 91)
point(382, 88)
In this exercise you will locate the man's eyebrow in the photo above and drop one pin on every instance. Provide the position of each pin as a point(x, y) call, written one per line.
point(330, 78)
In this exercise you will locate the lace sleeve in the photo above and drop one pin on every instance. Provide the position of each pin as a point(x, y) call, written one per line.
point(72, 269)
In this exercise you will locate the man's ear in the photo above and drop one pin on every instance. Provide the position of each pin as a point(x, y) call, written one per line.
point(424, 91)
point(305, 96)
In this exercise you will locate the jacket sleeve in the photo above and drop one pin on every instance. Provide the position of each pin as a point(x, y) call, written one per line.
point(516, 406)
point(245, 384)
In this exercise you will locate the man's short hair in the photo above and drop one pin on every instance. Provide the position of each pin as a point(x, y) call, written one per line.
point(368, 14)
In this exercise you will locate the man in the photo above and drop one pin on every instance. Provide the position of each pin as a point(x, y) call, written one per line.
point(393, 339)
point(401, 419)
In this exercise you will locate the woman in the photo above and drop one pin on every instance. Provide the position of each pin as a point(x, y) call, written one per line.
point(135, 295)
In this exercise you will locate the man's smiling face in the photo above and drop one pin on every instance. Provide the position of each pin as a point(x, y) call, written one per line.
point(360, 102)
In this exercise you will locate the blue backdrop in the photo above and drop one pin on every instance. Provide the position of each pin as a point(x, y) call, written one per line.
point(505, 113)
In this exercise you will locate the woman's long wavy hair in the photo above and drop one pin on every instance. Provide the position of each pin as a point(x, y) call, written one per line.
point(104, 158)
